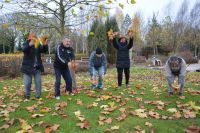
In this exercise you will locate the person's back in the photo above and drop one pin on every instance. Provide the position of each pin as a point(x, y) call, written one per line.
point(175, 66)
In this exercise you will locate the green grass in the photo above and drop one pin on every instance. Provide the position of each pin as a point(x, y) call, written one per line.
point(148, 79)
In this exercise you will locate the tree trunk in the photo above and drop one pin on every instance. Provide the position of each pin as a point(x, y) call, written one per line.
point(62, 17)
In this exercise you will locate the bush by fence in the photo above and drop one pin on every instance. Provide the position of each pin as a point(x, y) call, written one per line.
point(10, 64)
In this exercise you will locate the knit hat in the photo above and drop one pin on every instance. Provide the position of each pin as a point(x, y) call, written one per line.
point(98, 51)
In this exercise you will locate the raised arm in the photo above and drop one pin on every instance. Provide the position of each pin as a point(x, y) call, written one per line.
point(130, 45)
point(26, 47)
point(115, 43)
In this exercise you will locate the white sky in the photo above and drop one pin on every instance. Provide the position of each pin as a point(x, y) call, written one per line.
point(145, 7)
point(148, 7)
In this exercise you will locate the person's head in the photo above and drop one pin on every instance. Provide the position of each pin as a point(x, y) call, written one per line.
point(32, 37)
point(66, 42)
point(99, 52)
point(175, 63)
point(122, 40)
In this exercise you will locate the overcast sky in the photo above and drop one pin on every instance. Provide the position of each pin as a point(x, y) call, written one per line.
point(148, 7)
point(145, 7)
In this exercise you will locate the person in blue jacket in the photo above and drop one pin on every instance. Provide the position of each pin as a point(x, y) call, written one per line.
point(97, 64)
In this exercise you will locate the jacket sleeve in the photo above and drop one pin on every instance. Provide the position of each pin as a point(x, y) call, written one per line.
point(91, 63)
point(168, 70)
point(26, 47)
point(72, 55)
point(115, 43)
point(104, 63)
point(130, 45)
point(183, 68)
point(61, 55)
point(43, 48)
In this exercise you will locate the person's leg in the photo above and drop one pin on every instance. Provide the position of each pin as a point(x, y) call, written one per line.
point(181, 82)
point(27, 85)
point(57, 82)
point(38, 86)
point(100, 73)
point(68, 80)
point(170, 80)
point(127, 75)
point(120, 76)
point(94, 78)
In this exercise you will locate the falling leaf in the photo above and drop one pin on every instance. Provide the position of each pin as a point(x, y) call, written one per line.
point(133, 2)
point(121, 5)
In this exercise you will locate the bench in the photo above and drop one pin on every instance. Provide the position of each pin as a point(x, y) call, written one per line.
point(84, 59)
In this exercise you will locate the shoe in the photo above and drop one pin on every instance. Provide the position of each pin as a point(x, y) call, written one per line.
point(128, 86)
point(170, 93)
point(57, 97)
point(100, 87)
point(72, 94)
point(180, 94)
point(27, 97)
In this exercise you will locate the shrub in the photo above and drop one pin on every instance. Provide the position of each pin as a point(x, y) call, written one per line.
point(188, 57)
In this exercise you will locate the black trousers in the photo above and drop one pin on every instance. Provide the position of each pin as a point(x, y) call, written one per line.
point(120, 75)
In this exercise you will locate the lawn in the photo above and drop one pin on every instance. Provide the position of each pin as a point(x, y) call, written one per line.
point(145, 107)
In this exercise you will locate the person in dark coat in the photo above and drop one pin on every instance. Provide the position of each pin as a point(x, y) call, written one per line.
point(175, 67)
point(123, 59)
point(63, 55)
point(32, 64)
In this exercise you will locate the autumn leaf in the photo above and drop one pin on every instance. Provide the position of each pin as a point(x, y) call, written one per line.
point(148, 124)
point(121, 5)
point(172, 110)
point(192, 129)
point(113, 128)
point(37, 115)
point(84, 125)
point(133, 2)
point(45, 110)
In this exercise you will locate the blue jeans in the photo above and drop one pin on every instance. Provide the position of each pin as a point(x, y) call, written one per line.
point(67, 77)
point(28, 82)
point(100, 71)
point(181, 81)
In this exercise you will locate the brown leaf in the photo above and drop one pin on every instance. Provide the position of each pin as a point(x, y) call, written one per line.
point(32, 108)
point(121, 117)
point(5, 126)
point(37, 115)
point(148, 124)
point(61, 105)
point(192, 129)
point(45, 110)
point(84, 125)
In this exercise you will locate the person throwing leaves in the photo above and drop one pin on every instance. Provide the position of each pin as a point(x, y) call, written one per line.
point(123, 60)
point(32, 63)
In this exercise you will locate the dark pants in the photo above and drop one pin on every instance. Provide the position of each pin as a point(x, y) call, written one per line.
point(120, 75)
point(67, 77)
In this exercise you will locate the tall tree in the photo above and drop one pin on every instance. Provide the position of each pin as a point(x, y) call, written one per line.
point(153, 35)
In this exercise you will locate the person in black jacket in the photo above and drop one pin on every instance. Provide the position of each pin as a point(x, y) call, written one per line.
point(123, 60)
point(32, 64)
point(64, 53)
